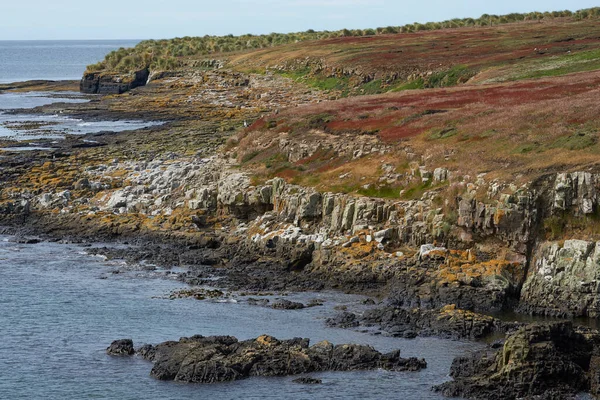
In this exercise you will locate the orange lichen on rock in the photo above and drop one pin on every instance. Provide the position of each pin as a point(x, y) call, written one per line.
point(462, 267)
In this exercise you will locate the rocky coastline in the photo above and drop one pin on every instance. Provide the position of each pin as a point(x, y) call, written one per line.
point(178, 195)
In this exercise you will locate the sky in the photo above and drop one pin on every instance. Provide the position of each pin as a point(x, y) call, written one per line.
point(156, 19)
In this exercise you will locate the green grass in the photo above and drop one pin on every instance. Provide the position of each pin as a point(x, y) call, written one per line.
point(317, 81)
point(249, 156)
point(373, 87)
point(452, 77)
point(578, 141)
point(416, 191)
point(387, 192)
point(443, 133)
point(412, 85)
point(563, 65)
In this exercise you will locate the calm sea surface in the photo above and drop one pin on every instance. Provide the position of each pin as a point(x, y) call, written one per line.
point(52, 60)
point(60, 308)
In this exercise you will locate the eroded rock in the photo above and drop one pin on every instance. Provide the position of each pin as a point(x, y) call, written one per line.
point(200, 359)
point(542, 361)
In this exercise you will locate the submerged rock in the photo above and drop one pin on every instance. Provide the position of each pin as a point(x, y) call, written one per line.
point(200, 359)
point(287, 305)
point(308, 381)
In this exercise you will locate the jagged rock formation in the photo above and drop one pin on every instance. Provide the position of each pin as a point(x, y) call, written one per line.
point(554, 361)
point(200, 359)
point(360, 242)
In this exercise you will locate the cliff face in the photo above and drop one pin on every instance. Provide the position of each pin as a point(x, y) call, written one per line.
point(493, 255)
point(112, 83)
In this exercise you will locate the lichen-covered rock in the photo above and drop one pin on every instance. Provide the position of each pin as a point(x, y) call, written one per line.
point(511, 220)
point(551, 361)
point(564, 280)
point(576, 191)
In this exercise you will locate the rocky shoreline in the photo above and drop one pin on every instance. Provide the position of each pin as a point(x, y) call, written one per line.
point(178, 195)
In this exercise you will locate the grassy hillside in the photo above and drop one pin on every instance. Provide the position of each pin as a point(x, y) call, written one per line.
point(174, 53)
point(514, 98)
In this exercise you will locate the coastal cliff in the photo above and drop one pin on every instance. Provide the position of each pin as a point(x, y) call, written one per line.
point(452, 195)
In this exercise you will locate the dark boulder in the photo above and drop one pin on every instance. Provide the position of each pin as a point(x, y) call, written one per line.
point(287, 305)
point(308, 381)
point(123, 347)
point(344, 319)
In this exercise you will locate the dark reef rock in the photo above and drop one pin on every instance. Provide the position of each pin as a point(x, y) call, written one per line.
point(200, 359)
point(287, 305)
point(343, 319)
point(123, 347)
point(542, 361)
point(308, 381)
point(106, 83)
point(448, 322)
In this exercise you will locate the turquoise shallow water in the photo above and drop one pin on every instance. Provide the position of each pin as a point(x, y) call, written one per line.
point(61, 308)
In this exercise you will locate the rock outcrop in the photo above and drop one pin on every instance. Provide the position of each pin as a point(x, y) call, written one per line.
point(564, 280)
point(112, 83)
point(553, 361)
point(200, 359)
point(449, 322)
point(122, 347)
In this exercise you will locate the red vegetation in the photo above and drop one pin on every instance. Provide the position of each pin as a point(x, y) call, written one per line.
point(408, 53)
point(471, 108)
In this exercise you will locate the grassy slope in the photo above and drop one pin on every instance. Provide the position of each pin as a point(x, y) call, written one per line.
point(439, 58)
point(529, 106)
point(513, 100)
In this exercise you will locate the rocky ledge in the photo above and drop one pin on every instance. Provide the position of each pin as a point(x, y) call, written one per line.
point(212, 359)
point(539, 361)
point(448, 322)
point(110, 83)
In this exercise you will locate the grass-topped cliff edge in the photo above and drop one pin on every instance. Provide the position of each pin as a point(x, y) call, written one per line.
point(366, 61)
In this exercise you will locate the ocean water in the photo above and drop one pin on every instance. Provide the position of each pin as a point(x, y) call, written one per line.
point(28, 126)
point(52, 60)
point(61, 308)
